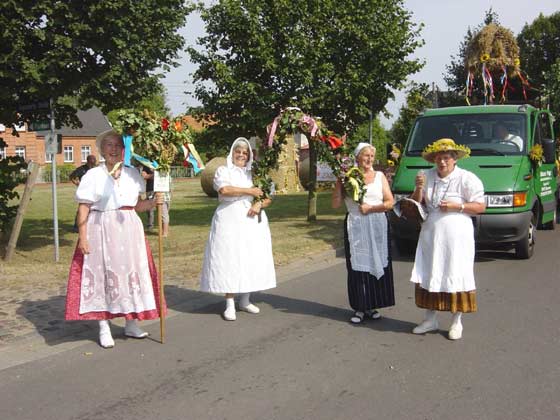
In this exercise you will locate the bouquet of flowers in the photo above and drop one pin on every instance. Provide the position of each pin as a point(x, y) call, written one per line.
point(151, 139)
point(536, 154)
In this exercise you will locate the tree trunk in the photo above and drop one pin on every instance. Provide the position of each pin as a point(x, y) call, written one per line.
point(312, 184)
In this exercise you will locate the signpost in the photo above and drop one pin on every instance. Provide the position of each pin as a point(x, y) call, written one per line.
point(162, 183)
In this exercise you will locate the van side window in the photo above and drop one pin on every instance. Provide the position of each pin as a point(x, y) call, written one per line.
point(544, 123)
point(537, 129)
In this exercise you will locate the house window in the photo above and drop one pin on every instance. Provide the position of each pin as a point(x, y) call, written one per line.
point(68, 153)
point(2, 153)
point(20, 151)
point(86, 151)
point(48, 157)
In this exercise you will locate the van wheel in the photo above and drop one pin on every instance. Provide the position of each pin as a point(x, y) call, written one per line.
point(525, 247)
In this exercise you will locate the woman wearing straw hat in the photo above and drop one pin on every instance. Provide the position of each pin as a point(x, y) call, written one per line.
point(238, 256)
point(366, 240)
point(112, 273)
point(443, 270)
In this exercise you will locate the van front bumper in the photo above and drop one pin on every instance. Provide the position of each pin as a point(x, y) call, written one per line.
point(488, 228)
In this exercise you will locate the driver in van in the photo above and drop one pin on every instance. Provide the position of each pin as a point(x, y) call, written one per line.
point(503, 134)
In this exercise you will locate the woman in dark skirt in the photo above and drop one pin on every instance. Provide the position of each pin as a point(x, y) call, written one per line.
point(366, 240)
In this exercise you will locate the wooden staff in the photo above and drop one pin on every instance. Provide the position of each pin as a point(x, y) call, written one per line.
point(160, 269)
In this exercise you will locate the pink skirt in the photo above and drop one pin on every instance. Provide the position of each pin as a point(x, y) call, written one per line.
point(100, 283)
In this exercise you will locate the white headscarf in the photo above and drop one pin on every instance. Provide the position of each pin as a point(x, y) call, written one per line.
point(361, 146)
point(249, 163)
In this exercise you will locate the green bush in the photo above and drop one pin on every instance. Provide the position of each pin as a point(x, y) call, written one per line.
point(62, 172)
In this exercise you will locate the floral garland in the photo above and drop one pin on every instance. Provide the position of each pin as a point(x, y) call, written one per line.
point(330, 149)
point(536, 154)
point(151, 139)
point(395, 154)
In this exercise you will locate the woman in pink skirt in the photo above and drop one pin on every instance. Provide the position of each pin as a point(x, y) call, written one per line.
point(112, 273)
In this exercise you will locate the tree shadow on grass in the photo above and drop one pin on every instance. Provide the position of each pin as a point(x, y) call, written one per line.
point(38, 233)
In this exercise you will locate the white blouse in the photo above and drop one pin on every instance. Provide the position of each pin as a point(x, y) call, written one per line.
point(235, 177)
point(106, 193)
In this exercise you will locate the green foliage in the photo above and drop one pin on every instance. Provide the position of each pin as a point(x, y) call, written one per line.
point(154, 103)
point(154, 137)
point(10, 177)
point(540, 57)
point(334, 59)
point(102, 52)
point(62, 172)
point(417, 99)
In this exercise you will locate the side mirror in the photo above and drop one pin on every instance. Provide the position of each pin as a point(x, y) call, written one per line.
point(549, 149)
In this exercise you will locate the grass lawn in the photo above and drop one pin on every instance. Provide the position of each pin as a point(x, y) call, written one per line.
point(191, 212)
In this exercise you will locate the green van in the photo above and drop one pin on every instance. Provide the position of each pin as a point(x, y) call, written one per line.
point(521, 195)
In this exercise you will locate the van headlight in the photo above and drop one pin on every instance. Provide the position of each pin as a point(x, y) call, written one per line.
point(517, 199)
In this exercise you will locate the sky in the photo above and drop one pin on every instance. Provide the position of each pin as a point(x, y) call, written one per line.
point(445, 25)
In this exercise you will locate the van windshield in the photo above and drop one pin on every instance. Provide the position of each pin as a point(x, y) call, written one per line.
point(484, 134)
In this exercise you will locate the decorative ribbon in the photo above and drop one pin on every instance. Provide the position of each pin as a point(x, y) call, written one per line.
point(192, 157)
point(272, 130)
point(504, 82)
point(311, 123)
point(127, 152)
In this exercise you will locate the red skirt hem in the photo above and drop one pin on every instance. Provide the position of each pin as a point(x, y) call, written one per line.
point(74, 291)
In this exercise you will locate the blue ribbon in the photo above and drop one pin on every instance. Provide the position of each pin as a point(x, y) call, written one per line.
point(127, 140)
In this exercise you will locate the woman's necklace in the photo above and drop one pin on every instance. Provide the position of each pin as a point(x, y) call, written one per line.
point(434, 190)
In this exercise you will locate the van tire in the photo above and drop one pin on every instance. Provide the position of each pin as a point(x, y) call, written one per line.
point(525, 247)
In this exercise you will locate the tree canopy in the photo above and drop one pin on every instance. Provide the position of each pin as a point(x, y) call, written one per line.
point(418, 98)
point(540, 56)
point(335, 59)
point(98, 52)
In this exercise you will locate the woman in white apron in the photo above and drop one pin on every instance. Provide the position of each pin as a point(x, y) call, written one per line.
point(238, 256)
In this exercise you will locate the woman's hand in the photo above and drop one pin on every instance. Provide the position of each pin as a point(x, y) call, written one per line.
point(159, 198)
point(255, 209)
point(420, 181)
point(365, 208)
point(446, 206)
point(255, 192)
point(83, 245)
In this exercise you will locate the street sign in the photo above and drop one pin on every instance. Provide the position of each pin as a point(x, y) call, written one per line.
point(40, 125)
point(51, 143)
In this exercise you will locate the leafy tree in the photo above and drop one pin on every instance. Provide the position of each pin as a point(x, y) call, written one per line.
point(540, 56)
point(336, 59)
point(418, 98)
point(154, 103)
point(10, 170)
point(100, 52)
point(456, 71)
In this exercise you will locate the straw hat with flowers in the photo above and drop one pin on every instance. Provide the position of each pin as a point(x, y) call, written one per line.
point(445, 145)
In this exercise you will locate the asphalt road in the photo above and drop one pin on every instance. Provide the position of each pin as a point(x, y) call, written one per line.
point(301, 359)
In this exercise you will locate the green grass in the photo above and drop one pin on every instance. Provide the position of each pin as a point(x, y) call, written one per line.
point(191, 213)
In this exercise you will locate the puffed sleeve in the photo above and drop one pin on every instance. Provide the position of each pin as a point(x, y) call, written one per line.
point(87, 191)
point(473, 189)
point(222, 178)
point(139, 182)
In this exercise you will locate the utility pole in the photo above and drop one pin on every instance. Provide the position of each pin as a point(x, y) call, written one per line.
point(55, 206)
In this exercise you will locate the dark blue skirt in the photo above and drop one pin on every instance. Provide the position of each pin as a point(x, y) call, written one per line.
point(366, 292)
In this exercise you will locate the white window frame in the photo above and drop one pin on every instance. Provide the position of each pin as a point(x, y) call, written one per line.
point(3, 152)
point(49, 157)
point(85, 152)
point(68, 154)
point(20, 151)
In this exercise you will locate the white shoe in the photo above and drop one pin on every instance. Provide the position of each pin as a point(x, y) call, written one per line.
point(229, 314)
point(426, 326)
point(106, 339)
point(455, 332)
point(252, 309)
point(131, 329)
